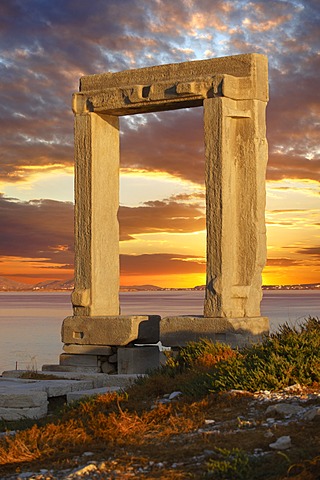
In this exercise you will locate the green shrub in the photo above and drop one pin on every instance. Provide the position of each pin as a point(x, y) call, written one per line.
point(287, 357)
point(204, 353)
point(229, 464)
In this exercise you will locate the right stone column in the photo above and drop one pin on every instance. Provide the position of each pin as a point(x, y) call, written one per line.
point(236, 159)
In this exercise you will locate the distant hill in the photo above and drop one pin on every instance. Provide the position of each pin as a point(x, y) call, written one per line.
point(8, 285)
point(69, 285)
point(139, 288)
point(55, 285)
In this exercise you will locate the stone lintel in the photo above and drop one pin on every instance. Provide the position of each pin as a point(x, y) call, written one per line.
point(173, 86)
point(133, 99)
point(111, 330)
point(251, 65)
point(237, 332)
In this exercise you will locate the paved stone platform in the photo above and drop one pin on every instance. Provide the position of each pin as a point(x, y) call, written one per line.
point(23, 398)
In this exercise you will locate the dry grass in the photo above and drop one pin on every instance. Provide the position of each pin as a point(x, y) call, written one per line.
point(170, 434)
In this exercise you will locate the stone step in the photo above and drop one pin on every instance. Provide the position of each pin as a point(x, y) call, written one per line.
point(28, 398)
point(21, 399)
point(70, 368)
point(98, 379)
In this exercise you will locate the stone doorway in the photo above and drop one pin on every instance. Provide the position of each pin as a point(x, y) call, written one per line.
point(233, 92)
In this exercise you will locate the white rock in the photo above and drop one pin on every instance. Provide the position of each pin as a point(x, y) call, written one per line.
point(284, 409)
point(174, 395)
point(311, 414)
point(87, 454)
point(163, 400)
point(209, 422)
point(293, 388)
point(282, 443)
point(83, 471)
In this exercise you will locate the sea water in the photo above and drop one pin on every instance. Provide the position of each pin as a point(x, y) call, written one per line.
point(30, 322)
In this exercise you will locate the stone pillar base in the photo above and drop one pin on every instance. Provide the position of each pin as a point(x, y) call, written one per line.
point(138, 359)
point(237, 332)
point(118, 330)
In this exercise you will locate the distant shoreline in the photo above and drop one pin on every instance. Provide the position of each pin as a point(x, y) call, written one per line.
point(153, 288)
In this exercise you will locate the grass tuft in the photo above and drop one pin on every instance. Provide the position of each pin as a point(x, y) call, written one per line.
point(229, 464)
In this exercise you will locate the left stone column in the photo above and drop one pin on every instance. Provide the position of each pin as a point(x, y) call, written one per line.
point(96, 338)
point(97, 156)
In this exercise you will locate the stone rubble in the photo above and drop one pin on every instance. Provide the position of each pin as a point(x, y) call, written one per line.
point(287, 406)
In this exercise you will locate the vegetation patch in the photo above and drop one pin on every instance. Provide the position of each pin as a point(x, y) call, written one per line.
point(285, 358)
point(229, 464)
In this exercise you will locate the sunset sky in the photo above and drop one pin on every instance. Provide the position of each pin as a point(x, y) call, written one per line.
point(47, 45)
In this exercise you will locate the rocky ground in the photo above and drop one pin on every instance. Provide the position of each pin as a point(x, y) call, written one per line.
point(277, 433)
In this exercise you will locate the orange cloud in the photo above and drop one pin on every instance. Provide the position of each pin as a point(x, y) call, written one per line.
point(160, 216)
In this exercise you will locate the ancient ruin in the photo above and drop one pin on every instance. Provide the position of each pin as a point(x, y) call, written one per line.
point(233, 92)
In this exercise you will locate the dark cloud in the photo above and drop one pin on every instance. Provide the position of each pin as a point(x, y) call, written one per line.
point(287, 210)
point(168, 142)
point(38, 229)
point(283, 262)
point(46, 46)
point(269, 222)
point(43, 229)
point(312, 251)
point(160, 216)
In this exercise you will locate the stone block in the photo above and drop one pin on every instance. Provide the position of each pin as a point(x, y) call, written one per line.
point(253, 66)
point(19, 399)
point(111, 330)
point(58, 388)
point(108, 368)
point(88, 349)
point(70, 368)
point(11, 414)
point(178, 331)
point(138, 359)
point(79, 360)
point(113, 358)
